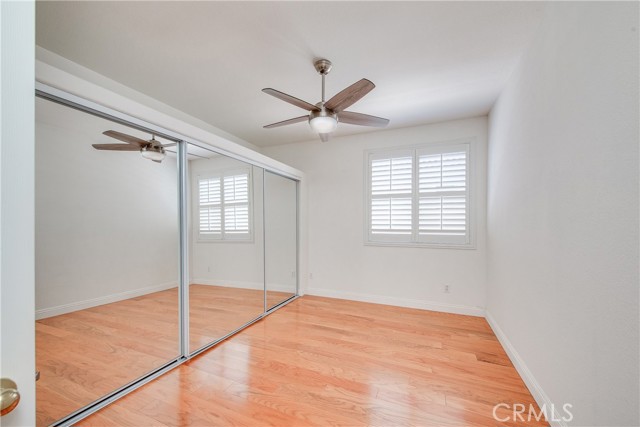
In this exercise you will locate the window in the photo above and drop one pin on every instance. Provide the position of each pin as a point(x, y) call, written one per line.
point(419, 196)
point(224, 206)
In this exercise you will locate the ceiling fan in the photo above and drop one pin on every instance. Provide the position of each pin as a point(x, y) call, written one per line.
point(324, 116)
point(151, 149)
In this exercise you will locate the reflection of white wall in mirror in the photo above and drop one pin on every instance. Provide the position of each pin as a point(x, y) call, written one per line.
point(280, 233)
point(106, 221)
point(232, 262)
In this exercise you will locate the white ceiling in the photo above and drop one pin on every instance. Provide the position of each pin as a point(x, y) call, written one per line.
point(430, 61)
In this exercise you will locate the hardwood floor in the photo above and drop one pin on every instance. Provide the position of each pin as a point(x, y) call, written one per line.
point(88, 353)
point(322, 361)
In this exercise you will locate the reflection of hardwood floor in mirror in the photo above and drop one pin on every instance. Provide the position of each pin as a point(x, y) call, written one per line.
point(88, 353)
point(321, 361)
point(214, 311)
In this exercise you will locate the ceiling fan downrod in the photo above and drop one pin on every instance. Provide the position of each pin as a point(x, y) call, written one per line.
point(323, 66)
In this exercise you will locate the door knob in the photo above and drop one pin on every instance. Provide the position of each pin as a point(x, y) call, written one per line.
point(9, 396)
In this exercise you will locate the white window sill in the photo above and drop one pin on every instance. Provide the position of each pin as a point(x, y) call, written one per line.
point(422, 245)
point(225, 241)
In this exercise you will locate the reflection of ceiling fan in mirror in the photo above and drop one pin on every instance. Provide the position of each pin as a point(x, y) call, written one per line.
point(151, 149)
point(324, 116)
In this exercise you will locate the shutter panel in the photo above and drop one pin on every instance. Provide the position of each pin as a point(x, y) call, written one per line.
point(236, 188)
point(209, 191)
point(391, 200)
point(391, 176)
point(236, 204)
point(391, 216)
point(442, 185)
point(443, 171)
point(443, 215)
point(236, 219)
point(210, 218)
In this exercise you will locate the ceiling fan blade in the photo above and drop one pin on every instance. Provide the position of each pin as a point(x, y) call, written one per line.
point(126, 138)
point(361, 119)
point(116, 147)
point(349, 96)
point(287, 122)
point(290, 99)
point(324, 137)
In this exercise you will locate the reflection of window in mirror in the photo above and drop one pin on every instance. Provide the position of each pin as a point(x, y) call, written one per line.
point(224, 205)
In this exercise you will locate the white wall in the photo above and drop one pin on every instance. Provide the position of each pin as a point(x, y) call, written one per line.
point(17, 340)
point(106, 221)
point(342, 266)
point(563, 212)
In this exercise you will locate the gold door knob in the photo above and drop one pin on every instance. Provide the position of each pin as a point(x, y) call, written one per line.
point(9, 396)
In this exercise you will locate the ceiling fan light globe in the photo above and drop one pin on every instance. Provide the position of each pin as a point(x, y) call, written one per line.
point(152, 154)
point(323, 124)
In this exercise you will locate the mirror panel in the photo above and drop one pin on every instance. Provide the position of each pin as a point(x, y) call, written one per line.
point(226, 288)
point(281, 238)
point(107, 261)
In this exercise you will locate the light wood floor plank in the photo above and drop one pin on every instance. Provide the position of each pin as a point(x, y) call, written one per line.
point(320, 361)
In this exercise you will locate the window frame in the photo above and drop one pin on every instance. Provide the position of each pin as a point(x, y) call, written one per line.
point(415, 240)
point(223, 237)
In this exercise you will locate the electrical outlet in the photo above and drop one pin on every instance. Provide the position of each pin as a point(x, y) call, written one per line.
point(293, 274)
point(310, 275)
point(447, 289)
point(208, 269)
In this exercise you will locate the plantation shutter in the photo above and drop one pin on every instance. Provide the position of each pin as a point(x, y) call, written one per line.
point(420, 195)
point(224, 206)
point(443, 195)
point(236, 204)
point(391, 202)
point(210, 207)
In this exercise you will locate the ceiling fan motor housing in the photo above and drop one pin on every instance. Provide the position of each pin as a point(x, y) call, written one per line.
point(323, 66)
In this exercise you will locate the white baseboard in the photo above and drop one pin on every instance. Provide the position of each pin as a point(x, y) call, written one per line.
point(107, 299)
point(541, 398)
point(401, 302)
point(242, 285)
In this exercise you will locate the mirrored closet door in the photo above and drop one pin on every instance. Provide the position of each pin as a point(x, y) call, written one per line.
point(149, 249)
point(107, 259)
point(226, 287)
point(280, 238)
